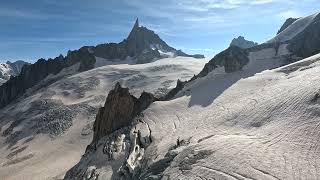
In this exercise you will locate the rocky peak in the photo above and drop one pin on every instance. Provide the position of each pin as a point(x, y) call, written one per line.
point(232, 59)
point(119, 110)
point(286, 24)
point(135, 28)
point(242, 43)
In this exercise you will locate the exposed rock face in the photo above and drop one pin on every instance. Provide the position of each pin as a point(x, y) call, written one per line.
point(32, 74)
point(287, 23)
point(142, 44)
point(174, 91)
point(232, 59)
point(242, 43)
point(307, 43)
point(119, 110)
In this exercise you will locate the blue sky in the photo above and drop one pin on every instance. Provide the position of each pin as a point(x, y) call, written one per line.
point(46, 28)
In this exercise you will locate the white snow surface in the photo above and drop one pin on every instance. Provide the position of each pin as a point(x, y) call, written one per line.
point(250, 124)
point(294, 29)
point(47, 157)
point(261, 127)
point(103, 62)
point(7, 70)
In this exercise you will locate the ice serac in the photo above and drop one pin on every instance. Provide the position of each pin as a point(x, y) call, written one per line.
point(287, 23)
point(242, 43)
point(119, 110)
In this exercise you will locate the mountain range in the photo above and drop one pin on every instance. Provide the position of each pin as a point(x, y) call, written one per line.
point(141, 46)
point(9, 69)
point(140, 109)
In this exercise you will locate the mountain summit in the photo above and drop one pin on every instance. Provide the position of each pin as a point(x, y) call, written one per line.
point(142, 46)
point(10, 69)
point(241, 42)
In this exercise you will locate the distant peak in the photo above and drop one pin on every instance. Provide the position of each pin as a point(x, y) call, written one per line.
point(135, 28)
point(242, 43)
point(136, 24)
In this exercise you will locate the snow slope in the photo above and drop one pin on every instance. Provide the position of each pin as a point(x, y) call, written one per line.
point(262, 127)
point(294, 29)
point(222, 127)
point(44, 133)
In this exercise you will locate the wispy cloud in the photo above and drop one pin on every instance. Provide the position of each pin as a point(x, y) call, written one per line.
point(21, 14)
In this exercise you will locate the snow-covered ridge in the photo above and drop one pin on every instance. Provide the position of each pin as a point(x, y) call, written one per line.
point(261, 127)
point(294, 29)
point(68, 107)
point(10, 69)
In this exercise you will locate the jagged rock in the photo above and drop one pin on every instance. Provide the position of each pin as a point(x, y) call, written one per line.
point(87, 60)
point(174, 91)
point(287, 23)
point(142, 44)
point(119, 110)
point(32, 74)
point(232, 59)
point(242, 43)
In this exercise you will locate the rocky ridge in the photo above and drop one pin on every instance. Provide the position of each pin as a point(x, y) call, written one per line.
point(142, 45)
point(119, 110)
point(287, 23)
point(242, 43)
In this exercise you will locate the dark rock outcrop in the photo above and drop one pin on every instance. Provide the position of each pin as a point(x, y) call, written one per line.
point(286, 24)
point(307, 42)
point(119, 110)
point(232, 59)
point(242, 43)
point(174, 91)
point(142, 44)
point(32, 74)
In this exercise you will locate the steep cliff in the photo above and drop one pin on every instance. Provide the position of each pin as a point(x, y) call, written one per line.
point(119, 110)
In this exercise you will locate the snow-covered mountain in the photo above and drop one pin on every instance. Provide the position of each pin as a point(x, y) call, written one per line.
point(236, 119)
point(242, 43)
point(245, 114)
point(141, 46)
point(44, 133)
point(9, 69)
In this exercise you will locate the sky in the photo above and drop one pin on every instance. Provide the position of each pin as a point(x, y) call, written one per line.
point(36, 29)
